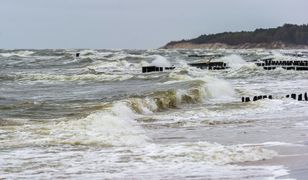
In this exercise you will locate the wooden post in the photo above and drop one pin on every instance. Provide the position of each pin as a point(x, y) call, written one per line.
point(300, 97)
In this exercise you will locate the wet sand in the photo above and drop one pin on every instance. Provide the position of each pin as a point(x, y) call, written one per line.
point(293, 158)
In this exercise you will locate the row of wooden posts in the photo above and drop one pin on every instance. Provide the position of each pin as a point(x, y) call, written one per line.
point(205, 65)
point(267, 64)
point(270, 64)
point(299, 97)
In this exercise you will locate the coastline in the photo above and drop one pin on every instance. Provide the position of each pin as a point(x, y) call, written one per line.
point(275, 45)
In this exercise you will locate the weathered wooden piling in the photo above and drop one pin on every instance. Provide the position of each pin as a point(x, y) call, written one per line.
point(270, 64)
point(205, 65)
point(210, 65)
point(151, 69)
point(300, 97)
point(169, 68)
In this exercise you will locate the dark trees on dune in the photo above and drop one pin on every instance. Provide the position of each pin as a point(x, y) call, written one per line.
point(288, 33)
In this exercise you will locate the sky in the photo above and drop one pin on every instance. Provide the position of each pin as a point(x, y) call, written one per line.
point(135, 24)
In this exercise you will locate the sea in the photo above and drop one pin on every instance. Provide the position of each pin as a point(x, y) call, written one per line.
point(97, 116)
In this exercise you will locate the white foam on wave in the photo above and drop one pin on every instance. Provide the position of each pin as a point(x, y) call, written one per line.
point(118, 66)
point(251, 110)
point(221, 115)
point(219, 88)
point(160, 61)
point(164, 100)
point(210, 153)
point(81, 77)
point(135, 155)
point(215, 88)
point(94, 54)
point(18, 53)
point(279, 55)
point(235, 61)
point(120, 55)
point(277, 143)
point(88, 52)
point(112, 127)
point(263, 112)
point(200, 160)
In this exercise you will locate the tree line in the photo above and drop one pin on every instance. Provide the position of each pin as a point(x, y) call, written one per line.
point(288, 33)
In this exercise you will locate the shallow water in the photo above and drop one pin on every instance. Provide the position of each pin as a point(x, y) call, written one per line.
point(98, 116)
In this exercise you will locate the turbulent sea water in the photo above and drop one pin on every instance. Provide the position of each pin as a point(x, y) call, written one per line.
point(99, 117)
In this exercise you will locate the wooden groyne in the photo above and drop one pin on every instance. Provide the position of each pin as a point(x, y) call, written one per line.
point(271, 64)
point(210, 65)
point(202, 65)
point(147, 69)
point(267, 64)
point(299, 97)
point(205, 56)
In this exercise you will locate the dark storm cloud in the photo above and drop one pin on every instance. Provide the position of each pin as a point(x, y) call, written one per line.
point(134, 23)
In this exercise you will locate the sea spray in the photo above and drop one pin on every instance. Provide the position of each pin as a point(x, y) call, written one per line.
point(219, 88)
point(212, 86)
point(234, 61)
point(160, 61)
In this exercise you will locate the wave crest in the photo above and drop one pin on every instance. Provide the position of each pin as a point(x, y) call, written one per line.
point(163, 100)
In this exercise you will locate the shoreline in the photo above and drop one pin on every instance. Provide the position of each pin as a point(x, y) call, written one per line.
point(276, 45)
point(293, 158)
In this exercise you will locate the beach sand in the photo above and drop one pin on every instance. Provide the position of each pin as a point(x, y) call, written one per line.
point(293, 158)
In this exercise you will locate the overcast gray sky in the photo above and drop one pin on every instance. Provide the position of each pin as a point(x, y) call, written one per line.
point(116, 24)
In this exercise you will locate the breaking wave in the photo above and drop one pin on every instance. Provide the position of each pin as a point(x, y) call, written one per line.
point(53, 77)
point(17, 54)
point(114, 125)
point(163, 100)
point(110, 127)
point(214, 87)
point(211, 153)
point(160, 61)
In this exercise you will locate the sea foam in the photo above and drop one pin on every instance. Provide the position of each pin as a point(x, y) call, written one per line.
point(160, 61)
